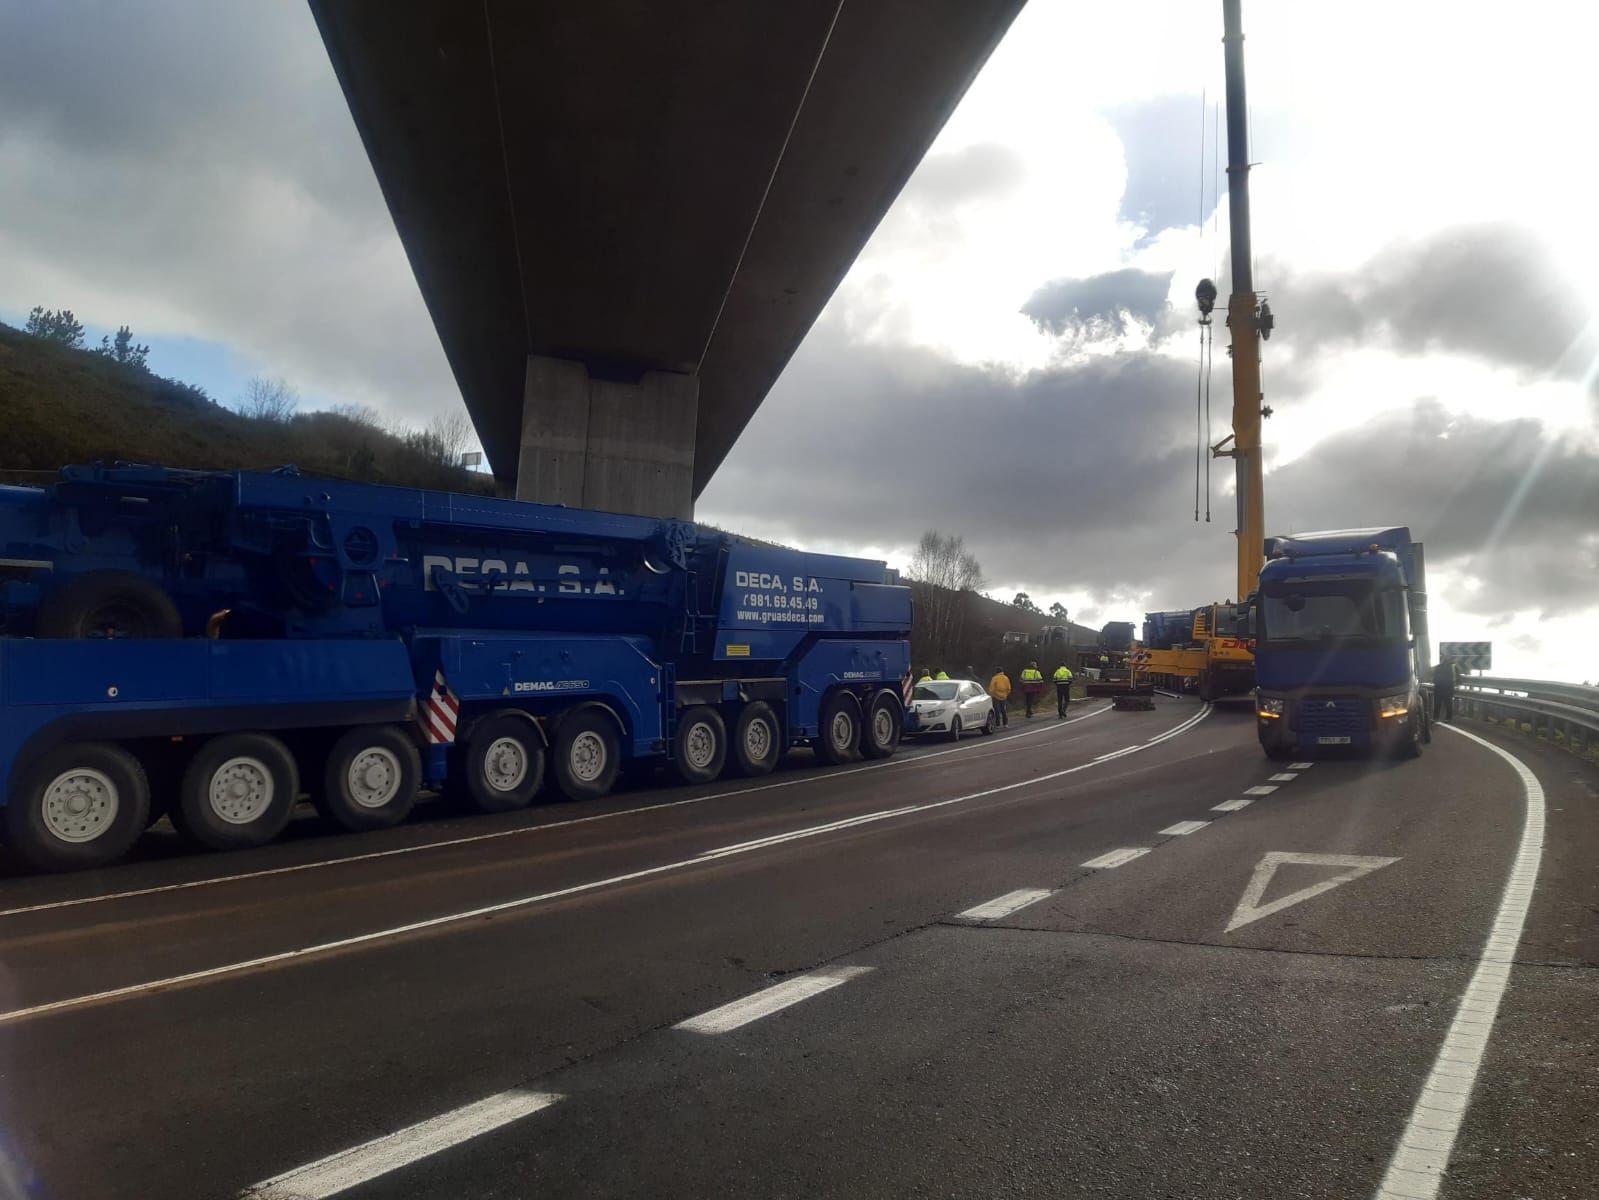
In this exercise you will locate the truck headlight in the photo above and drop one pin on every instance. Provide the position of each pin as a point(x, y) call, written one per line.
point(1269, 707)
point(1393, 707)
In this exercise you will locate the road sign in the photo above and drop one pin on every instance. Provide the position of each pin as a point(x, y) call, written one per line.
point(1251, 909)
point(1468, 656)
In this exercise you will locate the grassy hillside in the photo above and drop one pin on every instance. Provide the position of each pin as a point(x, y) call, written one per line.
point(59, 405)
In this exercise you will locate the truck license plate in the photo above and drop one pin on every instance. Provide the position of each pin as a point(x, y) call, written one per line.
point(1332, 741)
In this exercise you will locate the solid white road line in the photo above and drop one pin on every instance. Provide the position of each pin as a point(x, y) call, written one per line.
point(808, 777)
point(1263, 789)
point(1285, 777)
point(1182, 828)
point(1422, 1156)
point(1116, 858)
point(1003, 906)
point(378, 935)
point(1300, 766)
point(738, 1013)
point(348, 1168)
point(1233, 805)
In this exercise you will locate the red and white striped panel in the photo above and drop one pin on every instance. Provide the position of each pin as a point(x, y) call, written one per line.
point(906, 686)
point(440, 713)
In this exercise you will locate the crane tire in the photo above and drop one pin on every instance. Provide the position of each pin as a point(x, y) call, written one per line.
point(109, 604)
point(370, 777)
point(238, 792)
point(79, 805)
point(757, 739)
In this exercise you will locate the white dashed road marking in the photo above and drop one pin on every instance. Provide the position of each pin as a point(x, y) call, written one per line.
point(1233, 805)
point(738, 1013)
point(524, 902)
point(348, 1168)
point(1183, 828)
point(1117, 858)
point(1261, 789)
point(1300, 766)
point(1003, 906)
point(525, 830)
point(1422, 1156)
point(1285, 777)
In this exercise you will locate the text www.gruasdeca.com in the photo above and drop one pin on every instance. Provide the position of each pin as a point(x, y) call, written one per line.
point(787, 618)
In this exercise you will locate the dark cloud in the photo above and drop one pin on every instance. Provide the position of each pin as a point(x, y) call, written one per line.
point(1505, 502)
point(1081, 476)
point(1100, 302)
point(1493, 291)
point(1161, 146)
point(1075, 477)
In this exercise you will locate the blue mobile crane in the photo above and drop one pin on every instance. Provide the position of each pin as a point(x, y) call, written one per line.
point(207, 645)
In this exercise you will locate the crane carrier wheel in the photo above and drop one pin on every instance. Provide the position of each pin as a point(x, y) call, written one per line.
point(370, 777)
point(238, 792)
point(757, 739)
point(78, 805)
point(500, 767)
point(587, 753)
point(885, 720)
point(840, 734)
point(699, 751)
point(109, 604)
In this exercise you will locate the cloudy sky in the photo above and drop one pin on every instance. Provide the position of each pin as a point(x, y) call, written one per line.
point(1014, 356)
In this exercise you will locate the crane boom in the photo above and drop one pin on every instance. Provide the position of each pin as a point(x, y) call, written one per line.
point(1244, 318)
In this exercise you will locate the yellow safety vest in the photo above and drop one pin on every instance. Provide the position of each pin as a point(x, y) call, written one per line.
point(942, 675)
point(1032, 675)
point(1062, 675)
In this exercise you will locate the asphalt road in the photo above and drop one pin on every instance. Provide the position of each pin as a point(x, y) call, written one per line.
point(1039, 964)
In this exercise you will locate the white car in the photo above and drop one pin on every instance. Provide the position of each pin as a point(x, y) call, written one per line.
point(950, 707)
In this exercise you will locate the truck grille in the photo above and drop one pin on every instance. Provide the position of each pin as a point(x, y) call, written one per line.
point(1332, 715)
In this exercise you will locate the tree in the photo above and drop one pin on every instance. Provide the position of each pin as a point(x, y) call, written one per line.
point(1058, 611)
point(56, 326)
point(124, 349)
point(1025, 602)
point(270, 400)
point(946, 569)
point(451, 434)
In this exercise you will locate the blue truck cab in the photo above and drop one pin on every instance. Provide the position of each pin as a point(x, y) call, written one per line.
point(1340, 622)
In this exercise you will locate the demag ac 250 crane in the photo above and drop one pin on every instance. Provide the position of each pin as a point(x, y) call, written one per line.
point(1208, 644)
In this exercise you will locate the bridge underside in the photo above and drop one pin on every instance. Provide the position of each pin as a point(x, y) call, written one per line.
point(625, 216)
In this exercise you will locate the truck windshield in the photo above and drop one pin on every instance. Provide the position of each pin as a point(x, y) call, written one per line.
point(1346, 614)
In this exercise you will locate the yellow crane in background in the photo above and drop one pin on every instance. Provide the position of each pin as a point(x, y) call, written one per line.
point(1215, 656)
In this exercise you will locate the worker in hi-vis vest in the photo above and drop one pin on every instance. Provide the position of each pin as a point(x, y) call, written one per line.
point(999, 689)
point(1032, 686)
point(1063, 688)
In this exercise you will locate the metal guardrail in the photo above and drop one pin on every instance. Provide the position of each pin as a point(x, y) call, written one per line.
point(1569, 709)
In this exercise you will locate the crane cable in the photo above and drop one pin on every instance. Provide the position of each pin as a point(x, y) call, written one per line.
point(1200, 440)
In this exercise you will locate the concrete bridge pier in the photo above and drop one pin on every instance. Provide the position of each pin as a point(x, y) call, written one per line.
point(614, 445)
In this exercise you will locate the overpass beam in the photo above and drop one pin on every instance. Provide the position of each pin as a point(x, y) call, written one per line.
point(614, 446)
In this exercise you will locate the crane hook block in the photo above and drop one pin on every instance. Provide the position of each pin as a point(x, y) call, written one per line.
point(1205, 294)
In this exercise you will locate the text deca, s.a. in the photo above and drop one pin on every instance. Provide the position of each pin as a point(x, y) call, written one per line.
point(513, 575)
point(775, 583)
